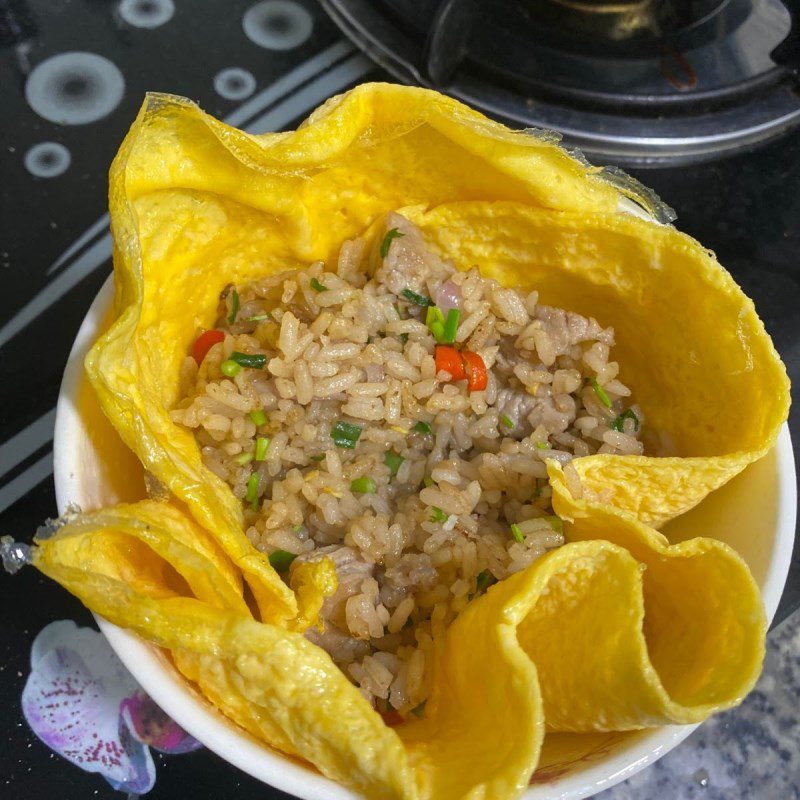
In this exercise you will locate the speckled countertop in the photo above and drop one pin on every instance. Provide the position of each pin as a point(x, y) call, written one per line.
point(751, 752)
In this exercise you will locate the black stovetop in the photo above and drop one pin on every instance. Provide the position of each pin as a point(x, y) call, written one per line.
point(746, 208)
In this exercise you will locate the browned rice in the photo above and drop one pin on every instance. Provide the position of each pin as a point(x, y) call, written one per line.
point(340, 354)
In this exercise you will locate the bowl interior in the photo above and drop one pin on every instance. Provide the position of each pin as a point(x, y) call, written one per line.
point(754, 513)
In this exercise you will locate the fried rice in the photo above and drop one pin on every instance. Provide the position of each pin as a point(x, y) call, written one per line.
point(345, 438)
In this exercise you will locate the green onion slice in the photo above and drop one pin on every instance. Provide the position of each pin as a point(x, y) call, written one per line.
point(427, 481)
point(517, 533)
point(542, 445)
point(451, 326)
point(363, 485)
point(252, 360)
point(422, 427)
point(281, 560)
point(244, 458)
point(434, 319)
point(619, 423)
point(257, 318)
point(345, 435)
point(317, 286)
point(419, 710)
point(600, 392)
point(230, 368)
point(556, 524)
point(318, 457)
point(259, 416)
point(234, 306)
point(484, 578)
point(262, 445)
point(393, 461)
point(387, 240)
point(434, 314)
point(437, 515)
point(507, 421)
point(252, 491)
point(417, 299)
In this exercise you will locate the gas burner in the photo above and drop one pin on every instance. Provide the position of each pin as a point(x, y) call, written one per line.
point(630, 81)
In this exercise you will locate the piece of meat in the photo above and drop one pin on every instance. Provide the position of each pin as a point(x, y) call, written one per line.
point(351, 572)
point(408, 260)
point(546, 413)
point(516, 404)
point(343, 649)
point(566, 328)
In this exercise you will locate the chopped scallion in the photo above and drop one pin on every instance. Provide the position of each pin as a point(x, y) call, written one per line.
point(434, 319)
point(296, 528)
point(484, 578)
point(317, 286)
point(416, 299)
point(422, 427)
point(244, 458)
point(542, 445)
point(403, 337)
point(434, 314)
point(427, 481)
point(419, 710)
point(619, 423)
point(393, 461)
point(600, 392)
point(556, 524)
point(252, 360)
point(252, 491)
point(230, 368)
point(259, 416)
point(317, 457)
point(506, 421)
point(281, 560)
point(257, 318)
point(387, 241)
point(234, 306)
point(363, 485)
point(451, 326)
point(437, 515)
point(345, 435)
point(517, 533)
point(262, 445)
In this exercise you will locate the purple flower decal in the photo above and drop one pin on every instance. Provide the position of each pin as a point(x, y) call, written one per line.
point(82, 703)
point(150, 725)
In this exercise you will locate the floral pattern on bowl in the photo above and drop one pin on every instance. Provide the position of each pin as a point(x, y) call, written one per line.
point(82, 703)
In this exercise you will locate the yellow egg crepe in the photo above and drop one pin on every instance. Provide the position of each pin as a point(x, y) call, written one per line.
point(598, 635)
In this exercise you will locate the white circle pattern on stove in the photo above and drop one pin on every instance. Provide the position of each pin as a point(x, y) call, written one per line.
point(74, 88)
point(47, 160)
point(277, 24)
point(146, 13)
point(234, 83)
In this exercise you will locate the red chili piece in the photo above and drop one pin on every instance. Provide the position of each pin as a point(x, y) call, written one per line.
point(448, 359)
point(476, 371)
point(204, 342)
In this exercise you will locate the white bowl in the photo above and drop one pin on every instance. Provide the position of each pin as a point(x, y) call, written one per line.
point(755, 513)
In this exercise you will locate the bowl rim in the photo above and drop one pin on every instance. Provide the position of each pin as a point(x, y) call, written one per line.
point(198, 717)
